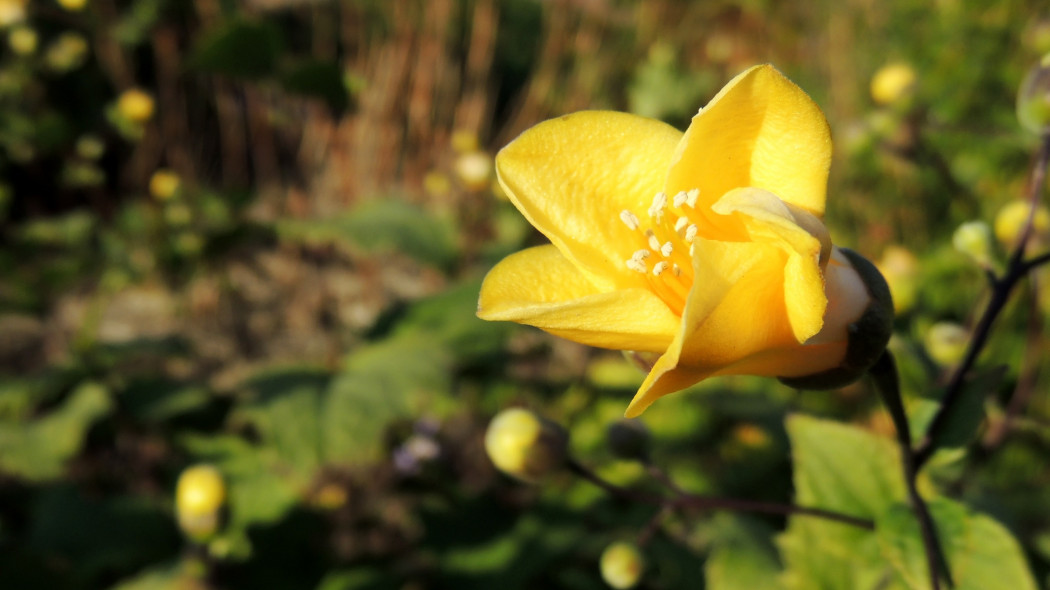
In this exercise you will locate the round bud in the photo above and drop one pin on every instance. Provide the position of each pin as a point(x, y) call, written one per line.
point(892, 83)
point(22, 40)
point(867, 335)
point(525, 446)
point(974, 238)
point(629, 439)
point(135, 105)
point(474, 170)
point(1033, 98)
point(199, 496)
point(622, 565)
point(946, 342)
point(1010, 220)
point(163, 184)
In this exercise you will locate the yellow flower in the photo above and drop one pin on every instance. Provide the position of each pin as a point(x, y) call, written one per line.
point(728, 269)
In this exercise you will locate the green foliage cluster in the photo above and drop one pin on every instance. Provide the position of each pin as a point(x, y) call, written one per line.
point(330, 364)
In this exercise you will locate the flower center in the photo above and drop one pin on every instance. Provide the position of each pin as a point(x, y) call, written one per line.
point(664, 246)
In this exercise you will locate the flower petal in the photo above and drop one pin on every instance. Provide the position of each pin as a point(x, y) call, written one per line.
point(720, 332)
point(769, 220)
point(763, 131)
point(542, 288)
point(572, 176)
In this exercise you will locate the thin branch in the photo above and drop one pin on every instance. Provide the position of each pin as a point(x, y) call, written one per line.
point(1016, 269)
point(683, 499)
point(887, 383)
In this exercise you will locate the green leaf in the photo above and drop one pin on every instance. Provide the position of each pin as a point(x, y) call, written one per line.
point(94, 534)
point(450, 317)
point(137, 24)
point(743, 559)
point(38, 450)
point(238, 48)
point(317, 79)
point(384, 382)
point(847, 470)
point(966, 413)
point(981, 553)
point(380, 226)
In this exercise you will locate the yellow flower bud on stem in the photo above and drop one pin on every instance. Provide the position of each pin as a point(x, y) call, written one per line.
point(622, 565)
point(199, 498)
point(524, 445)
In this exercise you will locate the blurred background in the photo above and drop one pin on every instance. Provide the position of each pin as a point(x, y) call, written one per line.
point(251, 234)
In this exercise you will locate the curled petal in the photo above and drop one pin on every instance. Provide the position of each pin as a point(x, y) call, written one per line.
point(542, 288)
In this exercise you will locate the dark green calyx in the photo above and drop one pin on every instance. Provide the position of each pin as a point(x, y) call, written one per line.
point(868, 336)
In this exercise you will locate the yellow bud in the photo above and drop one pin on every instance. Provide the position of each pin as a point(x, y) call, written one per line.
point(946, 342)
point(474, 170)
point(622, 565)
point(974, 238)
point(12, 12)
point(525, 446)
point(22, 40)
point(135, 105)
point(892, 82)
point(163, 184)
point(73, 5)
point(68, 52)
point(1011, 219)
point(199, 496)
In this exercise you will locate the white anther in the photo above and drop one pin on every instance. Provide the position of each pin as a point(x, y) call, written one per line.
point(677, 270)
point(680, 224)
point(635, 265)
point(680, 198)
point(692, 196)
point(666, 249)
point(659, 204)
point(629, 219)
point(641, 254)
point(690, 233)
point(653, 242)
point(659, 267)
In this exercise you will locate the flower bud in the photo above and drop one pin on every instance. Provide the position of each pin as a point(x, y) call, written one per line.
point(135, 105)
point(199, 497)
point(946, 342)
point(525, 446)
point(892, 83)
point(1010, 220)
point(974, 238)
point(12, 12)
point(474, 170)
point(622, 565)
point(163, 184)
point(22, 40)
point(629, 439)
point(1033, 98)
point(868, 333)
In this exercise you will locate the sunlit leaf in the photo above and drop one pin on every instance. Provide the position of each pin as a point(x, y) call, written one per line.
point(981, 553)
point(38, 450)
